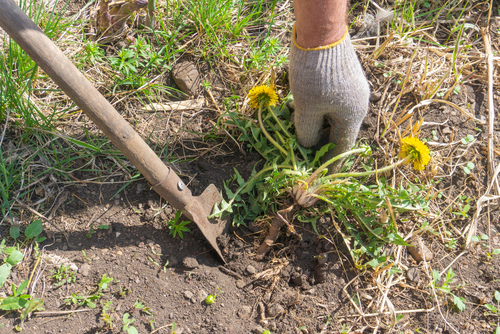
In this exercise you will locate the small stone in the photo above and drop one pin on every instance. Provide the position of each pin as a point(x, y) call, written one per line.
point(64, 247)
point(240, 284)
point(119, 253)
point(190, 262)
point(251, 269)
point(413, 274)
point(244, 312)
point(257, 329)
point(140, 244)
point(420, 251)
point(84, 269)
point(446, 130)
point(275, 310)
point(375, 96)
point(118, 234)
point(137, 280)
point(186, 77)
point(201, 295)
point(188, 294)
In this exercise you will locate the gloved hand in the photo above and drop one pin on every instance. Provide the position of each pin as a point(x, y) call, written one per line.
point(328, 82)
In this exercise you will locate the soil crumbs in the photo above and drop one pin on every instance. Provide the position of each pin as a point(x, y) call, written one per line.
point(302, 286)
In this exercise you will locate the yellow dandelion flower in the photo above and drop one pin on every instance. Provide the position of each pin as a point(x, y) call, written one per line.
point(417, 151)
point(262, 93)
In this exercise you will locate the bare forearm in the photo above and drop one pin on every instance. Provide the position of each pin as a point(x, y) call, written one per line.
point(319, 22)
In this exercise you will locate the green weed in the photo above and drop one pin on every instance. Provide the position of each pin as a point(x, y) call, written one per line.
point(89, 300)
point(176, 227)
point(20, 300)
point(127, 324)
point(446, 288)
point(291, 169)
point(63, 275)
point(106, 314)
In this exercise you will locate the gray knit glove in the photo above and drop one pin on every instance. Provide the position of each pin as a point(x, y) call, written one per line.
point(328, 82)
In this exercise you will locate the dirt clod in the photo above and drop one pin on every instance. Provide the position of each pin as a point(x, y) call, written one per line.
point(190, 263)
point(84, 270)
point(251, 269)
point(244, 312)
point(257, 329)
point(275, 310)
point(201, 295)
point(188, 294)
point(420, 251)
point(413, 274)
point(187, 77)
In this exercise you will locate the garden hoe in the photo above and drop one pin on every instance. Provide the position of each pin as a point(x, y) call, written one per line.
point(162, 178)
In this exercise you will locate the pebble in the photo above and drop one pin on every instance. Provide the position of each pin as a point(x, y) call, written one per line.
point(251, 269)
point(258, 329)
point(244, 312)
point(413, 274)
point(140, 244)
point(272, 326)
point(186, 77)
point(119, 253)
point(188, 294)
point(190, 262)
point(240, 283)
point(446, 130)
point(375, 96)
point(201, 295)
point(84, 269)
point(275, 310)
point(420, 251)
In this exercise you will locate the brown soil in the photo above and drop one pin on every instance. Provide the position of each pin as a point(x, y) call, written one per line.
point(287, 292)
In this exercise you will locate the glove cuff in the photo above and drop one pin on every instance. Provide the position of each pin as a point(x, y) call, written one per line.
point(319, 47)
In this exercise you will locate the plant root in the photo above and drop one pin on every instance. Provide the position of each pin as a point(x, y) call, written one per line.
point(281, 219)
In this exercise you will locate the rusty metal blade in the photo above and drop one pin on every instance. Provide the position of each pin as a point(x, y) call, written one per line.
point(200, 208)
